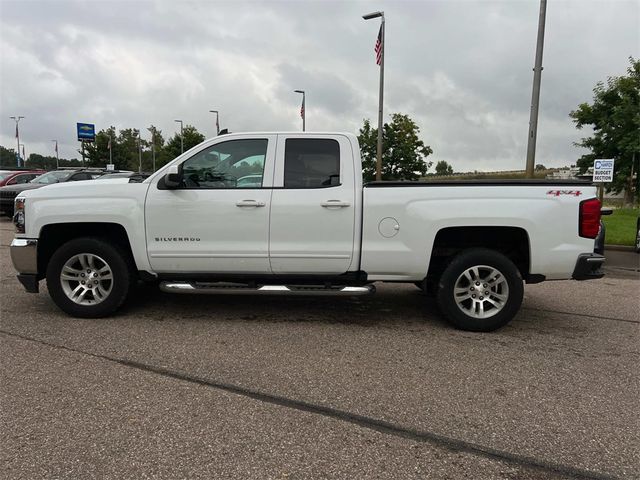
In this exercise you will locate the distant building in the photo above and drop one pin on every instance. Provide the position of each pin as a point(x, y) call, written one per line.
point(565, 174)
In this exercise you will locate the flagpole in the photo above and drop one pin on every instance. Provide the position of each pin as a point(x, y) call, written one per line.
point(153, 147)
point(381, 94)
point(303, 109)
point(57, 156)
point(380, 104)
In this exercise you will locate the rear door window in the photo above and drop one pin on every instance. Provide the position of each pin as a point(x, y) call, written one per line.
point(311, 163)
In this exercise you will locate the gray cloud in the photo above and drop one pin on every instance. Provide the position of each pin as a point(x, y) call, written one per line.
point(461, 69)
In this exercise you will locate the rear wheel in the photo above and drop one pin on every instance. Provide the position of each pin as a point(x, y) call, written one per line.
point(88, 277)
point(480, 290)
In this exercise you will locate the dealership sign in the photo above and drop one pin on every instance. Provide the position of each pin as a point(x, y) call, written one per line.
point(603, 170)
point(86, 132)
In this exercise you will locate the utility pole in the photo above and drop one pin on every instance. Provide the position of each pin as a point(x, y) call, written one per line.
point(379, 49)
point(303, 109)
point(181, 136)
point(17, 120)
point(57, 157)
point(217, 121)
point(535, 95)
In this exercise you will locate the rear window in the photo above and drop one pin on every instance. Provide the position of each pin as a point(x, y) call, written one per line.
point(311, 163)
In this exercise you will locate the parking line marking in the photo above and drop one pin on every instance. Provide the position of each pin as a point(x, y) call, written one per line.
point(586, 315)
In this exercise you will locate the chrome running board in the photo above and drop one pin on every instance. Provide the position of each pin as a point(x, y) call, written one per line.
point(222, 288)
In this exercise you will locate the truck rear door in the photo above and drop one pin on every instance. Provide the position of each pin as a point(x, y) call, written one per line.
point(313, 205)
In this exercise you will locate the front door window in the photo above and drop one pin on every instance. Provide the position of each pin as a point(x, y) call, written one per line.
point(232, 164)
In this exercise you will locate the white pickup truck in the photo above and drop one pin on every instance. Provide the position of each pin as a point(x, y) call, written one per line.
point(288, 214)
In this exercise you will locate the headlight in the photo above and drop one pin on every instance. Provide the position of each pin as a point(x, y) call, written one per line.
point(18, 215)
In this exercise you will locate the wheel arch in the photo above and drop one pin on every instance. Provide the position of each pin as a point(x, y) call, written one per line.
point(513, 242)
point(52, 236)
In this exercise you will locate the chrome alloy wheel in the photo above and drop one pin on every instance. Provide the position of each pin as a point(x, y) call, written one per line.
point(86, 279)
point(481, 291)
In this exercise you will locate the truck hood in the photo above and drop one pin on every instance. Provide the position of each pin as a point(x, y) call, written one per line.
point(72, 189)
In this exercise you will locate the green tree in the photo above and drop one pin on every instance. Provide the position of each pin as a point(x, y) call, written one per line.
point(540, 167)
point(192, 137)
point(615, 118)
point(443, 168)
point(7, 157)
point(403, 153)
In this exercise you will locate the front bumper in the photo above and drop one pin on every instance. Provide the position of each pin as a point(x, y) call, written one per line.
point(588, 266)
point(24, 255)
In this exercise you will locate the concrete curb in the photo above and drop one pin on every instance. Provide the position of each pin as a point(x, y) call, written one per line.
point(619, 248)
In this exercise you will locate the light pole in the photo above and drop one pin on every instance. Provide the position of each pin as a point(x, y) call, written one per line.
point(379, 49)
point(139, 151)
point(535, 95)
point(110, 147)
point(152, 129)
point(181, 137)
point(303, 110)
point(217, 121)
point(57, 157)
point(17, 120)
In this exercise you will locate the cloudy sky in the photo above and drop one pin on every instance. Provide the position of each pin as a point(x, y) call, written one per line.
point(461, 69)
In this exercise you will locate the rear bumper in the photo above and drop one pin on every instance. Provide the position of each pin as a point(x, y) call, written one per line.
point(588, 266)
point(24, 255)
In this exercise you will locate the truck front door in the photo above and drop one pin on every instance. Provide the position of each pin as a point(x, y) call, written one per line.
point(217, 221)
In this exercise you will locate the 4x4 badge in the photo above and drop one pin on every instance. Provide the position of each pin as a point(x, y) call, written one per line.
point(557, 193)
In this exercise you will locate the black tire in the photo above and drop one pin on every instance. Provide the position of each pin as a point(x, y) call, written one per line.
point(114, 257)
point(461, 316)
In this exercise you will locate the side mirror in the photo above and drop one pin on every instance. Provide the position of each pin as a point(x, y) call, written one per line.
point(173, 177)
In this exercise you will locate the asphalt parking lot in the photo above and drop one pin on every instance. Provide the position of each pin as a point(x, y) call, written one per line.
point(373, 387)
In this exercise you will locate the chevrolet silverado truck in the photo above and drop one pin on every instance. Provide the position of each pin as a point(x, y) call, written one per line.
point(288, 214)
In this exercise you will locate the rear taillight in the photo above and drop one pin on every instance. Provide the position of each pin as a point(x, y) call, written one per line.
point(589, 219)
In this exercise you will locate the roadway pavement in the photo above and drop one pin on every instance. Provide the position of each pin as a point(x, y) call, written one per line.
point(369, 387)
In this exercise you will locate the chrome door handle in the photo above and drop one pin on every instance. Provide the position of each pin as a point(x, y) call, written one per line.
point(335, 203)
point(249, 203)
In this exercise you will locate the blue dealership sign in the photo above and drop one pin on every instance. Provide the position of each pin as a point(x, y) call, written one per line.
point(86, 132)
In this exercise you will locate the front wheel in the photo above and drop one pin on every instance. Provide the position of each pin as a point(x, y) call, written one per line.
point(480, 290)
point(88, 277)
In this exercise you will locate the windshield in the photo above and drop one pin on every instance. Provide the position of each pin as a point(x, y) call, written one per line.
point(52, 177)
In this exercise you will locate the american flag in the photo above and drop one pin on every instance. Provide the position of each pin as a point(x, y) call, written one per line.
point(109, 144)
point(302, 110)
point(378, 47)
point(56, 147)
